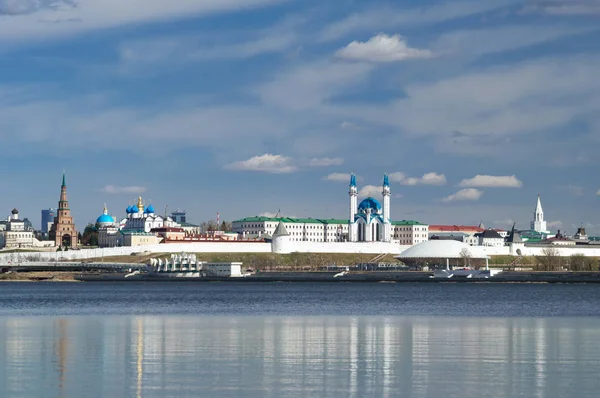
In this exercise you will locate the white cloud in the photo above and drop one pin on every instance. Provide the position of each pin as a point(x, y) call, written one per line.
point(114, 189)
point(377, 18)
point(492, 181)
point(475, 42)
point(554, 224)
point(340, 177)
point(564, 7)
point(312, 84)
point(166, 52)
point(464, 194)
point(266, 163)
point(20, 7)
point(345, 125)
point(369, 190)
point(325, 162)
point(573, 190)
point(529, 98)
point(46, 19)
point(397, 176)
point(381, 48)
point(431, 178)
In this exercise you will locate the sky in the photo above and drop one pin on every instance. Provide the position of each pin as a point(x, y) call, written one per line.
point(249, 107)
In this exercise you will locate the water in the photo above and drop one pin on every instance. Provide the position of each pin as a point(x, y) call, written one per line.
point(299, 340)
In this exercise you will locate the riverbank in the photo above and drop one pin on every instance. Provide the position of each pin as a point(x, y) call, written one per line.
point(58, 276)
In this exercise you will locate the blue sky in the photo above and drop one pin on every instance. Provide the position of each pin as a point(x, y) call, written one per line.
point(245, 107)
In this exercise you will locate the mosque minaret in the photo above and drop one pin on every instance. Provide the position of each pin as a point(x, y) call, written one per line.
point(370, 221)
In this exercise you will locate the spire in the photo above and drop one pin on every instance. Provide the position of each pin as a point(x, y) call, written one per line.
point(352, 180)
point(64, 184)
point(105, 209)
point(386, 180)
point(538, 207)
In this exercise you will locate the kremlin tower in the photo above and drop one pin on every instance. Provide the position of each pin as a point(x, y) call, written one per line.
point(63, 230)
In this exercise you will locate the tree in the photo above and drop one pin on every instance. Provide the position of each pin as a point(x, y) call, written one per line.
point(90, 236)
point(577, 262)
point(465, 255)
point(226, 226)
point(549, 260)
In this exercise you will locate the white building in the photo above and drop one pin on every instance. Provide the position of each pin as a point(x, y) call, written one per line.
point(15, 235)
point(368, 221)
point(490, 238)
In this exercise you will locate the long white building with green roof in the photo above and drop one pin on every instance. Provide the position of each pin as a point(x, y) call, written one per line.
point(369, 222)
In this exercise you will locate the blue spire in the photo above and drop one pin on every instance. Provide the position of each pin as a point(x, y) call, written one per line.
point(352, 180)
point(386, 180)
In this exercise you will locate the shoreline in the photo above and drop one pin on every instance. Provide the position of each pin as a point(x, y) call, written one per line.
point(529, 277)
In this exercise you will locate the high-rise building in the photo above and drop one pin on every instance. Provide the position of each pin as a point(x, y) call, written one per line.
point(47, 219)
point(179, 216)
point(63, 230)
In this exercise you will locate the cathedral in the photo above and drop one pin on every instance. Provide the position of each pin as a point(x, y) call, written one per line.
point(370, 221)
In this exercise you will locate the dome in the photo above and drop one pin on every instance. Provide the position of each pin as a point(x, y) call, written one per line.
point(15, 211)
point(150, 209)
point(442, 249)
point(370, 203)
point(129, 210)
point(104, 219)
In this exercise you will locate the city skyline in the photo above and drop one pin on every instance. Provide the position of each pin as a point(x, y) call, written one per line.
point(250, 107)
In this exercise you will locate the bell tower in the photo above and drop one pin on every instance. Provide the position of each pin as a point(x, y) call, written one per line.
point(63, 230)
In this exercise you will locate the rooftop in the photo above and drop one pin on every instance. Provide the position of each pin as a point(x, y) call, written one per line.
point(327, 221)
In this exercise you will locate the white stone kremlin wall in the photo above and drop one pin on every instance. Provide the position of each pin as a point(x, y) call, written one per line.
point(279, 246)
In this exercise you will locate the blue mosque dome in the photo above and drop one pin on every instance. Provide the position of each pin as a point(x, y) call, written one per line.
point(370, 203)
point(150, 209)
point(104, 219)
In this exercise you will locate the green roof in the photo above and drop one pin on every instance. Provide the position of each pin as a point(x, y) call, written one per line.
point(290, 220)
point(407, 222)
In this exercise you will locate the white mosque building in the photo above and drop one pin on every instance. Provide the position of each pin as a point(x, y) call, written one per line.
point(369, 221)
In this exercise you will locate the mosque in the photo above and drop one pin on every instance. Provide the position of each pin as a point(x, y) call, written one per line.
point(369, 221)
point(134, 229)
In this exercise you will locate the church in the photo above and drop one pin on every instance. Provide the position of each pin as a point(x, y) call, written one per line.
point(135, 229)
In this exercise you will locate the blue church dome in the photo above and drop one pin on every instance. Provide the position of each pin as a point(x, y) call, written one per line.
point(104, 219)
point(129, 211)
point(370, 203)
point(150, 209)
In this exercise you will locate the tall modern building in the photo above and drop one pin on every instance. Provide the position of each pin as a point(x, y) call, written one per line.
point(47, 219)
point(179, 216)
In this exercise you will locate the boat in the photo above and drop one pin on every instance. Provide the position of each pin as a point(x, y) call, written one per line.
point(468, 273)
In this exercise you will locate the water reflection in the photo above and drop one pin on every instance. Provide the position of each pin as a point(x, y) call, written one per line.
point(298, 356)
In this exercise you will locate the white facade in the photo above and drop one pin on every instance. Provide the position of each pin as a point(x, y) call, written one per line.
point(16, 236)
point(300, 229)
point(409, 232)
point(538, 224)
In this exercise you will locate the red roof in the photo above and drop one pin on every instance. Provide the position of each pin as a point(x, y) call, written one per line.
point(455, 228)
